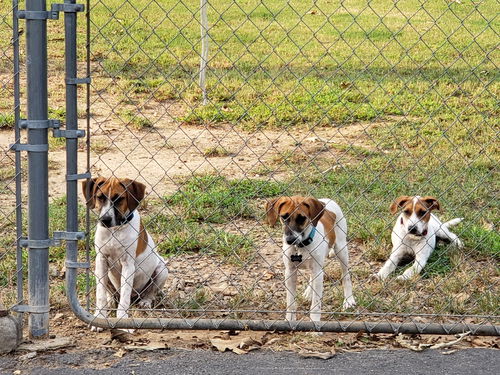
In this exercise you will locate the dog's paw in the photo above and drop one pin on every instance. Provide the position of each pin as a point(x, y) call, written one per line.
point(308, 294)
point(315, 334)
point(291, 317)
point(145, 304)
point(403, 278)
point(349, 303)
point(379, 276)
point(96, 329)
point(458, 243)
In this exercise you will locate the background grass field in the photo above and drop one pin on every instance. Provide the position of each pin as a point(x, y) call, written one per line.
point(419, 79)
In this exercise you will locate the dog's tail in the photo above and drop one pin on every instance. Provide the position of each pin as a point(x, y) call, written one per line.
point(453, 222)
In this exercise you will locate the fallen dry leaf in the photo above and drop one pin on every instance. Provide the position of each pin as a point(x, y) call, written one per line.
point(121, 336)
point(484, 342)
point(120, 353)
point(450, 352)
point(235, 344)
point(27, 356)
point(51, 344)
point(272, 341)
point(420, 347)
point(320, 355)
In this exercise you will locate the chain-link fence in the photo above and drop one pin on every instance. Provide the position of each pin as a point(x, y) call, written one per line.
point(219, 107)
point(12, 270)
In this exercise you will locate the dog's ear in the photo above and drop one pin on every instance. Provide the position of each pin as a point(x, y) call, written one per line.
point(272, 210)
point(399, 202)
point(90, 189)
point(135, 192)
point(316, 209)
point(431, 203)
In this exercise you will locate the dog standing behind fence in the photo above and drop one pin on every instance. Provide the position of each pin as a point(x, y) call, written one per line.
point(126, 260)
point(313, 229)
point(415, 234)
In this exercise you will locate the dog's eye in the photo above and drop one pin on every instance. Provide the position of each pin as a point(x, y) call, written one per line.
point(300, 219)
point(407, 212)
point(421, 213)
point(101, 198)
point(285, 217)
point(118, 199)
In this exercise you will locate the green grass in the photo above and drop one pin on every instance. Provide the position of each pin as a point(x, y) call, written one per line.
point(215, 199)
point(135, 120)
point(7, 121)
point(176, 235)
point(339, 64)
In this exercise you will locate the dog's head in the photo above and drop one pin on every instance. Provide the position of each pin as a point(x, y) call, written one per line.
point(416, 213)
point(113, 198)
point(296, 214)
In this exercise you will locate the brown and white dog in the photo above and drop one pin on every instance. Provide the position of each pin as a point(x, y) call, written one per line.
point(312, 230)
point(127, 263)
point(415, 234)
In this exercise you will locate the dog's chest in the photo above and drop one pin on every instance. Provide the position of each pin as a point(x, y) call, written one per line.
point(115, 244)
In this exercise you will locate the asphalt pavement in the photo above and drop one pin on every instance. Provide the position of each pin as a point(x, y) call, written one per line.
point(184, 362)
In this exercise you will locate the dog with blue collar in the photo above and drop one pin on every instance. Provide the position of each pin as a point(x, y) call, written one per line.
point(313, 229)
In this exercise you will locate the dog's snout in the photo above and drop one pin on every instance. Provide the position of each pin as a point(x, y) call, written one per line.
point(413, 230)
point(290, 239)
point(106, 221)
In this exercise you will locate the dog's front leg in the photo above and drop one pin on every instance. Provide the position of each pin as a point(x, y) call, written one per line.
point(291, 292)
point(126, 285)
point(343, 256)
point(317, 293)
point(422, 254)
point(101, 275)
point(392, 263)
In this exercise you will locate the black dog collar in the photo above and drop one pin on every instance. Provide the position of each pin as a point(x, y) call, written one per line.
point(308, 240)
point(128, 218)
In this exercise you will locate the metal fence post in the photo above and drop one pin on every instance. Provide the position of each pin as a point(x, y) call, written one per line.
point(17, 134)
point(38, 205)
point(72, 134)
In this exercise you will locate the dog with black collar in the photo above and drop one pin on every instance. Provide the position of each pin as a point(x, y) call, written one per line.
point(128, 267)
point(312, 230)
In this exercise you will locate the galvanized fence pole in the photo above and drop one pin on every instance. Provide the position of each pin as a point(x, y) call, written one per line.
point(38, 202)
point(72, 133)
point(71, 126)
point(204, 49)
point(17, 135)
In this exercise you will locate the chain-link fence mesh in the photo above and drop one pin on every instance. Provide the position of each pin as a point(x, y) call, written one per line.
point(12, 271)
point(360, 102)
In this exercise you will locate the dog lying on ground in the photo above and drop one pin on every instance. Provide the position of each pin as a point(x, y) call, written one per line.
point(312, 230)
point(415, 234)
point(127, 263)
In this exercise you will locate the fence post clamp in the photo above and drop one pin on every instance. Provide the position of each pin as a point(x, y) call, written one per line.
point(28, 147)
point(31, 309)
point(58, 133)
point(69, 236)
point(37, 15)
point(38, 244)
point(67, 8)
point(77, 81)
point(39, 124)
point(81, 176)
